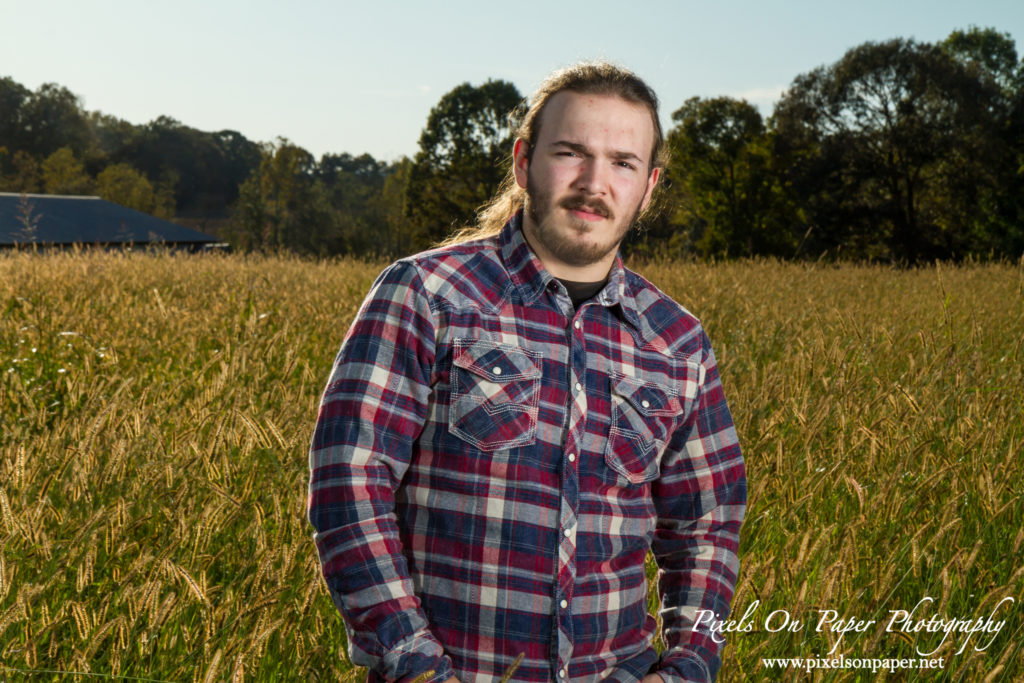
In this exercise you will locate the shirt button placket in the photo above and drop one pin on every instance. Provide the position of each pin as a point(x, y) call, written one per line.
point(570, 501)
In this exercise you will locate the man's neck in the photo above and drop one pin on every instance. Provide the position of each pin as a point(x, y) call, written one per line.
point(581, 292)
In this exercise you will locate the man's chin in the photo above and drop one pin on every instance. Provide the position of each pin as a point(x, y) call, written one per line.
point(577, 226)
point(580, 253)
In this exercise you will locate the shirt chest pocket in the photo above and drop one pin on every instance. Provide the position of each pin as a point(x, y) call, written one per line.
point(495, 392)
point(644, 416)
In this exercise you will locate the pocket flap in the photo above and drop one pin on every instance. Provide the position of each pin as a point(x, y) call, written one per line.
point(493, 361)
point(647, 398)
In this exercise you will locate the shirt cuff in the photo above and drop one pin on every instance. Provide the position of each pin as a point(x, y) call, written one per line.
point(415, 656)
point(682, 666)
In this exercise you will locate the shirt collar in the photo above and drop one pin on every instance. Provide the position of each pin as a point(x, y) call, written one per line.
point(531, 278)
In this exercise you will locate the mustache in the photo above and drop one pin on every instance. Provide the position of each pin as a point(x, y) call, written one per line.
point(580, 202)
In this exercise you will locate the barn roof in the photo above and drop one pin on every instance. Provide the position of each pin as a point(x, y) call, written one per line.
point(60, 219)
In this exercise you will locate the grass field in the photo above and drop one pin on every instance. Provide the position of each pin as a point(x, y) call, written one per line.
point(155, 414)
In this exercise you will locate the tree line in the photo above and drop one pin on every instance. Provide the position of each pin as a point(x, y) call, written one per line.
point(901, 151)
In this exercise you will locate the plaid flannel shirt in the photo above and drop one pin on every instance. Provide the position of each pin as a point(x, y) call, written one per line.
point(490, 467)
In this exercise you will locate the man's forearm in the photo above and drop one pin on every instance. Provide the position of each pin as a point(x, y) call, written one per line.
point(370, 416)
point(366, 572)
point(701, 500)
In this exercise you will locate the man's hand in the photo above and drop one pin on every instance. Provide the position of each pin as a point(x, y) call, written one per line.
point(453, 679)
point(653, 678)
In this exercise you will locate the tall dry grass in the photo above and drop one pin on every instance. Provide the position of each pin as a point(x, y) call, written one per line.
point(882, 417)
point(155, 412)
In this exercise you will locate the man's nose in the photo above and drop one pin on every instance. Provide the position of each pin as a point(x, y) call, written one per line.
point(592, 177)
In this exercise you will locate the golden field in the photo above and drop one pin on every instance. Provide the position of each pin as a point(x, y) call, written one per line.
point(156, 409)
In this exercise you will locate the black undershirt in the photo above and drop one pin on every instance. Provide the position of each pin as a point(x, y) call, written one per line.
point(580, 292)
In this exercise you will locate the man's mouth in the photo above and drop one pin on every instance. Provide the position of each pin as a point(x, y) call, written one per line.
point(594, 210)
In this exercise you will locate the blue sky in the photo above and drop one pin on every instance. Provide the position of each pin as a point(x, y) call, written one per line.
point(362, 76)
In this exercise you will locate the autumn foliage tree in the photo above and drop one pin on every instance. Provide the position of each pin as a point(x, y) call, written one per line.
point(64, 173)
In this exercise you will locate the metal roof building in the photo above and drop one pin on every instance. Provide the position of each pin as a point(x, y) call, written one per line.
point(58, 220)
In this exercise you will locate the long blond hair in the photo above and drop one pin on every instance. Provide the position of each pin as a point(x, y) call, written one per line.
point(586, 78)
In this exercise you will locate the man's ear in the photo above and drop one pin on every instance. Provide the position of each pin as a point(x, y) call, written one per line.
point(521, 161)
point(652, 180)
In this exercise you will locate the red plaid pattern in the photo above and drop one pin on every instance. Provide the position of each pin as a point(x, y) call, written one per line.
point(490, 467)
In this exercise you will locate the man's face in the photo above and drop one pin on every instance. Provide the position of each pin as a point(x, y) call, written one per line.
point(586, 180)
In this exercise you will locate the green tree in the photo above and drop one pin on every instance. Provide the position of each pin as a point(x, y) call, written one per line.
point(238, 158)
point(993, 57)
point(13, 97)
point(993, 52)
point(351, 183)
point(463, 155)
point(63, 173)
point(19, 172)
point(164, 202)
point(393, 237)
point(122, 184)
point(208, 167)
point(53, 118)
point(722, 178)
point(887, 147)
point(282, 205)
point(110, 134)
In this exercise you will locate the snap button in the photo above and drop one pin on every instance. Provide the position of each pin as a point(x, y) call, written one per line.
point(567, 533)
point(572, 457)
point(645, 403)
point(497, 371)
point(579, 387)
point(577, 324)
point(564, 604)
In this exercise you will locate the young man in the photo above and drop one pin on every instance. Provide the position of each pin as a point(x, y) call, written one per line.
point(514, 420)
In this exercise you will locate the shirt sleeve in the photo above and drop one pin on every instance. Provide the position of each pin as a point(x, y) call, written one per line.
point(371, 413)
point(701, 499)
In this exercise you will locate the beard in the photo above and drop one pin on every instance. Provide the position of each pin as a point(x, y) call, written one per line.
point(569, 244)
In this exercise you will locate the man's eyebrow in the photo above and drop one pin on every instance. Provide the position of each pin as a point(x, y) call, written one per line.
point(583, 149)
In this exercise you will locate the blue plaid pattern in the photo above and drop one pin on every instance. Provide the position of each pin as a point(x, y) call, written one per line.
point(490, 468)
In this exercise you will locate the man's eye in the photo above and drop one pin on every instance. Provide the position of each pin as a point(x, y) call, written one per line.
point(627, 165)
point(567, 153)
